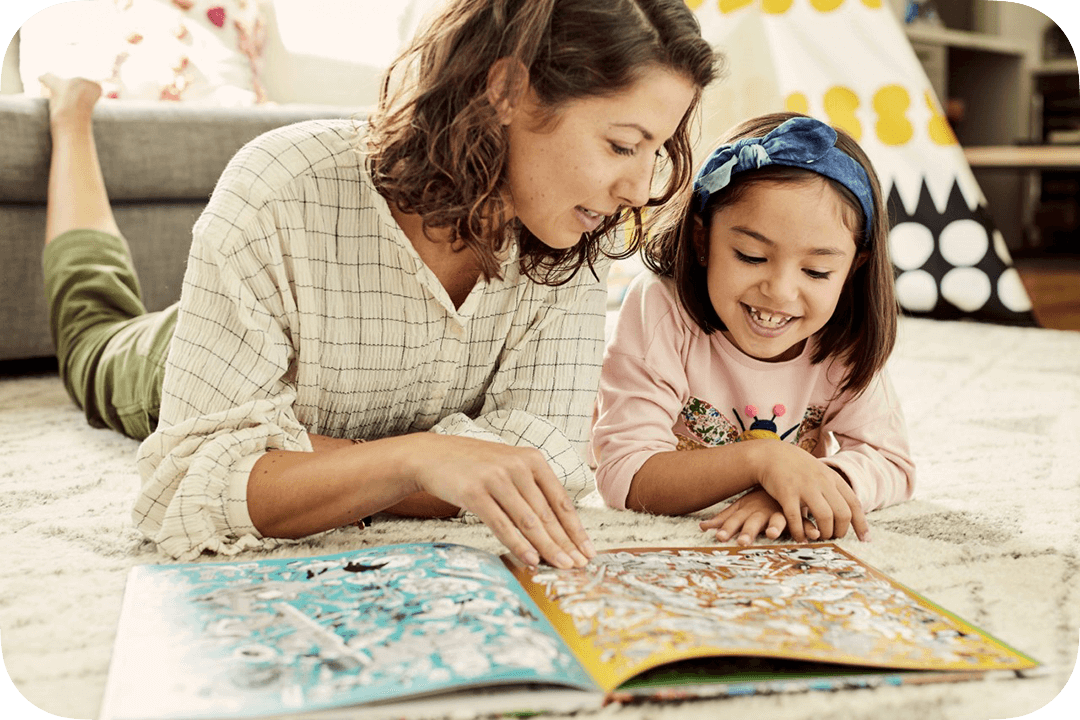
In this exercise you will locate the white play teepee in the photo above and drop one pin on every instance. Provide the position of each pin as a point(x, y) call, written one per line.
point(849, 63)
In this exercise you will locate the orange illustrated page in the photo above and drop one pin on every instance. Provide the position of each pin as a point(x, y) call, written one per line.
point(632, 610)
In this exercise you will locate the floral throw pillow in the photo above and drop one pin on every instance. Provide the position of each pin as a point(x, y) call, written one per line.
point(175, 50)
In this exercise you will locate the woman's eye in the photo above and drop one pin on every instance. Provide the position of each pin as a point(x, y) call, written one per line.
point(818, 274)
point(622, 149)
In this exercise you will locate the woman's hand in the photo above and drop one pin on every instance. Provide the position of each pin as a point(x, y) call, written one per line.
point(745, 518)
point(797, 480)
point(511, 489)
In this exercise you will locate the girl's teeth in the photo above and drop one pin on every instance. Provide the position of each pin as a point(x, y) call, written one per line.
point(770, 319)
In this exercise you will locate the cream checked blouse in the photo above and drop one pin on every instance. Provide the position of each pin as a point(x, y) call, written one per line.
point(306, 309)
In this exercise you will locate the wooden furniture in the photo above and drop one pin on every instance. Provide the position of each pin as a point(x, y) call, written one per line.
point(1024, 157)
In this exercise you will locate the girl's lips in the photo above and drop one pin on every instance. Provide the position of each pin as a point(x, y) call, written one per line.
point(756, 323)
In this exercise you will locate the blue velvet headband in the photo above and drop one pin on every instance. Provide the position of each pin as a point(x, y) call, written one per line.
point(800, 142)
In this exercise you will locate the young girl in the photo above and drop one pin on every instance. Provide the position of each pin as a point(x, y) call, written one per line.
point(431, 283)
point(759, 344)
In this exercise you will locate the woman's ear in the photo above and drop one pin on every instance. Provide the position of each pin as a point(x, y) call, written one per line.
point(507, 83)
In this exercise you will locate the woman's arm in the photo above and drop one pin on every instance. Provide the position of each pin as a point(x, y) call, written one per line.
point(512, 490)
point(418, 505)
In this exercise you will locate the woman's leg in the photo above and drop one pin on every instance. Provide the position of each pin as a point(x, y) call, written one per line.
point(77, 199)
point(110, 351)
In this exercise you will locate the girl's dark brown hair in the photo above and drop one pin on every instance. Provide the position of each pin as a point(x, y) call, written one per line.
point(862, 330)
point(435, 146)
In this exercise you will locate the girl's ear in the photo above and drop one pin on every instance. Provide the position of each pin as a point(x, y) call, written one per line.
point(507, 82)
point(701, 241)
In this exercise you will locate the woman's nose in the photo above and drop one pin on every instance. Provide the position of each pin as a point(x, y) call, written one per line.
point(633, 188)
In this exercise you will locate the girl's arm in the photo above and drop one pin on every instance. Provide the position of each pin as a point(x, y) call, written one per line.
point(874, 454)
point(680, 482)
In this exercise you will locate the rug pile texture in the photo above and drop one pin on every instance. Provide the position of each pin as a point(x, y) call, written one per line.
point(992, 535)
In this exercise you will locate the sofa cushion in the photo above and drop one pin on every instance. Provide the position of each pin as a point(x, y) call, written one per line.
point(148, 150)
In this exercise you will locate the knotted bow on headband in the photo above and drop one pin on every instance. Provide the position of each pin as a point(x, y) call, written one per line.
point(799, 142)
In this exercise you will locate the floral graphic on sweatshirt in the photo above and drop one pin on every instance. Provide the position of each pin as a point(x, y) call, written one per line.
point(705, 426)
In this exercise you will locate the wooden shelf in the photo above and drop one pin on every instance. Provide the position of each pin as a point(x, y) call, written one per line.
point(965, 39)
point(1064, 66)
point(1024, 157)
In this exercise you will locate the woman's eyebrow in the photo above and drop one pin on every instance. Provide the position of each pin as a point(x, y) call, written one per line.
point(645, 133)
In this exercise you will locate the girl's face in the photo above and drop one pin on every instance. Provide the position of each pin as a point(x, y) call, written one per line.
point(596, 157)
point(777, 260)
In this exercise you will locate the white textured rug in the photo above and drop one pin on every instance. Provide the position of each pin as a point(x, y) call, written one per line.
point(993, 534)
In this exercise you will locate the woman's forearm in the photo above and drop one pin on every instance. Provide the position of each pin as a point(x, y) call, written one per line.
point(294, 494)
point(683, 481)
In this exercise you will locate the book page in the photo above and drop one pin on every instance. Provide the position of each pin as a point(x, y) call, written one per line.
point(631, 610)
point(271, 636)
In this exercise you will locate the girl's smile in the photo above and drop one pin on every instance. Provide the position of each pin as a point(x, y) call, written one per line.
point(777, 260)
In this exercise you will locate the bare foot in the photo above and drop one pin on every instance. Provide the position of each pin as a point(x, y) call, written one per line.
point(71, 100)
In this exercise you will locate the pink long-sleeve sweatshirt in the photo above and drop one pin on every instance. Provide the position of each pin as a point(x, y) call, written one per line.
point(666, 385)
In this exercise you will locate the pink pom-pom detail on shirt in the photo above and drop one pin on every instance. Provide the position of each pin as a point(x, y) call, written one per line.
point(751, 411)
point(779, 410)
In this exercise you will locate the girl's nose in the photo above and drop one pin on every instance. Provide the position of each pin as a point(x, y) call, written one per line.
point(781, 285)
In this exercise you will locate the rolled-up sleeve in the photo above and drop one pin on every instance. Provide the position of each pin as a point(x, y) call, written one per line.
point(227, 397)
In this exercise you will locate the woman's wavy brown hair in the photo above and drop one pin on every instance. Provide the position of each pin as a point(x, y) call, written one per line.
point(435, 146)
point(862, 330)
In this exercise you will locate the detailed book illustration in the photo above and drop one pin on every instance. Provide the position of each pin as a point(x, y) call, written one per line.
point(416, 628)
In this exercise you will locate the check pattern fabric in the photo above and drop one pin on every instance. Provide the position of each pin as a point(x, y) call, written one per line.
point(306, 309)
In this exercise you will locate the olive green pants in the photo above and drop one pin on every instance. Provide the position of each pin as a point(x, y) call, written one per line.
point(111, 351)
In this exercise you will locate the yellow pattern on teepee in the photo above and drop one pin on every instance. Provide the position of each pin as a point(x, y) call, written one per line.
point(938, 127)
point(730, 6)
point(826, 5)
point(891, 103)
point(797, 102)
point(840, 105)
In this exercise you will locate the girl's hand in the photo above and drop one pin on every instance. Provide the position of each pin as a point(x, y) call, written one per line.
point(745, 518)
point(797, 481)
point(511, 489)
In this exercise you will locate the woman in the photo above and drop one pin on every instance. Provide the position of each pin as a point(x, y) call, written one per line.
point(430, 283)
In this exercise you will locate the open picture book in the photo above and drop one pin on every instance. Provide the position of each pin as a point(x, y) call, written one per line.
point(422, 629)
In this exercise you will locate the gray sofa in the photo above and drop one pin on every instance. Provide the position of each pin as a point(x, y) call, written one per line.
point(160, 161)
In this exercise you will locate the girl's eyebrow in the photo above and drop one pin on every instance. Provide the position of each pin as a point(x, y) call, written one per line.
point(818, 251)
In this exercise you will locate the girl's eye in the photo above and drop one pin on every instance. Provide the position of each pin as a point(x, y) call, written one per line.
point(749, 259)
point(818, 274)
point(622, 149)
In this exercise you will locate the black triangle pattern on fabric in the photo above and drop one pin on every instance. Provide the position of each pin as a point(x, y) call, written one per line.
point(993, 309)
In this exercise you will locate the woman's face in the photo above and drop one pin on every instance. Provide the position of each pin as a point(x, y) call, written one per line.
point(595, 157)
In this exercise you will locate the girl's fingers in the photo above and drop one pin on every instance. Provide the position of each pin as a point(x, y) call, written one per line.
point(717, 520)
point(777, 523)
point(752, 528)
point(731, 525)
point(858, 516)
point(793, 510)
point(822, 512)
